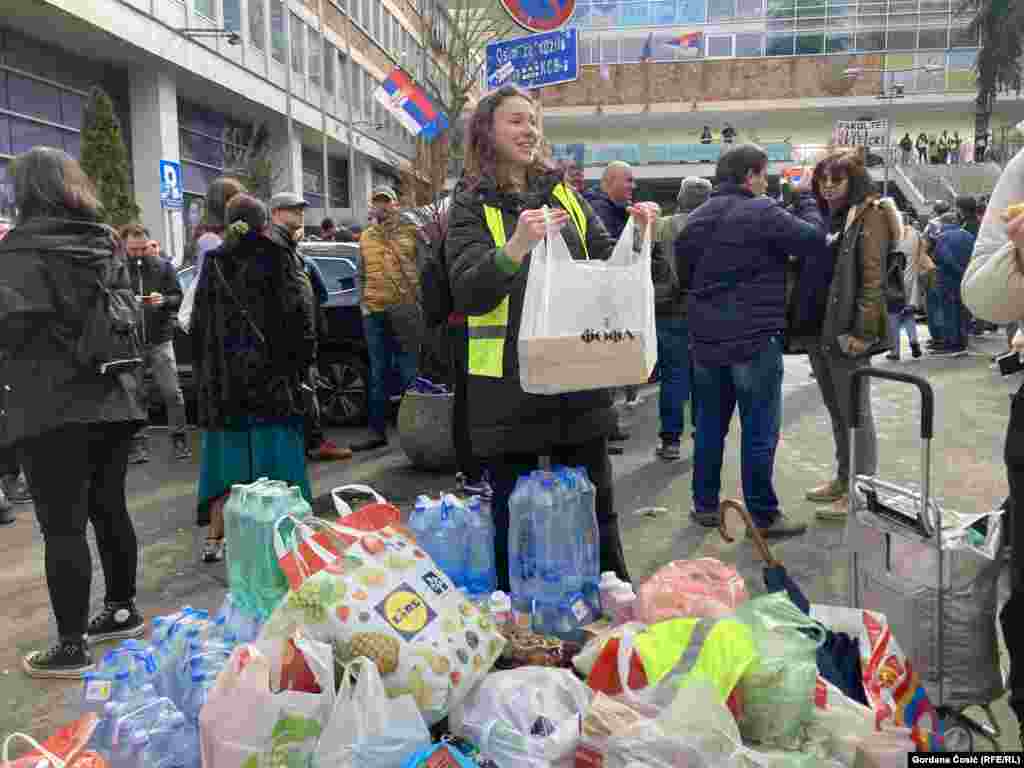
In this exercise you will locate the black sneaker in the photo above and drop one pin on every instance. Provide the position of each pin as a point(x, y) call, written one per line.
point(67, 660)
point(370, 444)
point(710, 519)
point(117, 621)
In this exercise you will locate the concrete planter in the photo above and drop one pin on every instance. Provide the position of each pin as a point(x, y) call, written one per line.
point(425, 430)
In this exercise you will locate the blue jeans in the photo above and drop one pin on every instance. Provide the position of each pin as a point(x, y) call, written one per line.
point(936, 314)
point(954, 318)
point(385, 352)
point(674, 362)
point(756, 386)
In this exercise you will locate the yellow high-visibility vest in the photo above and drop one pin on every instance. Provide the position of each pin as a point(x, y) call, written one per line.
point(487, 332)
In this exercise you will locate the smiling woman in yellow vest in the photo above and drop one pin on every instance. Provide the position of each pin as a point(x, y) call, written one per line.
point(495, 221)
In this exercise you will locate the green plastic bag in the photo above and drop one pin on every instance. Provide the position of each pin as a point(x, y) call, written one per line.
point(777, 691)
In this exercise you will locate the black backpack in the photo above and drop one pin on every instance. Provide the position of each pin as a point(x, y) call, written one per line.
point(894, 288)
point(435, 290)
point(110, 340)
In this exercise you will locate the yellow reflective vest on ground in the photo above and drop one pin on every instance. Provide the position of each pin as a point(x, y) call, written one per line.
point(487, 332)
point(717, 650)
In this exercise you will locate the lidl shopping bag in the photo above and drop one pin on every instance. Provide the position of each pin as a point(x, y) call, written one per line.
point(387, 600)
point(892, 686)
point(587, 324)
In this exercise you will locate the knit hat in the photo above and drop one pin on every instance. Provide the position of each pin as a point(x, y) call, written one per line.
point(693, 192)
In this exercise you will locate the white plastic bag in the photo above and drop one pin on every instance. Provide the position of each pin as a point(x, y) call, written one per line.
point(188, 301)
point(239, 718)
point(501, 716)
point(367, 729)
point(587, 324)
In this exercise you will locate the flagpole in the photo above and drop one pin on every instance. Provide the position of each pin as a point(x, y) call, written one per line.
point(348, 114)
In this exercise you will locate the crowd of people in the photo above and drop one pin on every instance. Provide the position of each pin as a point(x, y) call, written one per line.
point(829, 270)
point(940, 149)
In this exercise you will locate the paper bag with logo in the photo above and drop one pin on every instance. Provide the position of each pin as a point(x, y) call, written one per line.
point(587, 324)
point(387, 600)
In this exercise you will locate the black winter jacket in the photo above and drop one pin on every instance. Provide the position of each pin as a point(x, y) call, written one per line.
point(152, 274)
point(736, 247)
point(48, 273)
point(241, 379)
point(612, 215)
point(503, 419)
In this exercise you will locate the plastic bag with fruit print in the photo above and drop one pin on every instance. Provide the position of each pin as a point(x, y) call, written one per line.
point(387, 600)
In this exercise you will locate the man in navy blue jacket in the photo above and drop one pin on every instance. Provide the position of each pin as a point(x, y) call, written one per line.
point(735, 249)
point(953, 248)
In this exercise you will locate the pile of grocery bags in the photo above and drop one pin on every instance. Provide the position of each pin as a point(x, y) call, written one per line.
point(358, 642)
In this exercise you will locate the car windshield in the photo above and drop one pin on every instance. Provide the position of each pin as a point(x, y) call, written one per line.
point(340, 273)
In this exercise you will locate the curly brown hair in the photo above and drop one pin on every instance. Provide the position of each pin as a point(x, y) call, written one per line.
point(481, 149)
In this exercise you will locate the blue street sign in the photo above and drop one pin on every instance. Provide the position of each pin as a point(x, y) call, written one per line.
point(534, 61)
point(171, 193)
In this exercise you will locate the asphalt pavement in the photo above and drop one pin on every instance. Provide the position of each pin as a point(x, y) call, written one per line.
point(653, 499)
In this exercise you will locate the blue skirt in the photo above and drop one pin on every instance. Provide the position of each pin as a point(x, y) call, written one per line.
point(230, 457)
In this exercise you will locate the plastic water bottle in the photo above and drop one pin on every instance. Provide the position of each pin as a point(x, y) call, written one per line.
point(481, 578)
point(126, 746)
point(166, 745)
point(549, 527)
point(522, 545)
point(196, 693)
point(113, 711)
point(128, 751)
point(449, 543)
point(591, 540)
point(421, 523)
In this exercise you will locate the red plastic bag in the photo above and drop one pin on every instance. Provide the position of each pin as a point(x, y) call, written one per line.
point(65, 749)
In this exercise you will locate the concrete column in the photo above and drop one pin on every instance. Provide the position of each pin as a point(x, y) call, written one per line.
point(364, 185)
point(287, 159)
point(154, 133)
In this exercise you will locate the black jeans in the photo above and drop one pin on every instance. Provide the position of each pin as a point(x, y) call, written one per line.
point(593, 456)
point(76, 474)
point(467, 463)
point(1013, 611)
point(9, 460)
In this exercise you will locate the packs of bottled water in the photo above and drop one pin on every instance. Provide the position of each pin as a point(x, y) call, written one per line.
point(238, 626)
point(250, 516)
point(459, 536)
point(154, 733)
point(554, 557)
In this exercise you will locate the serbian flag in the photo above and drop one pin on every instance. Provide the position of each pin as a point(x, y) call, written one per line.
point(686, 40)
point(400, 96)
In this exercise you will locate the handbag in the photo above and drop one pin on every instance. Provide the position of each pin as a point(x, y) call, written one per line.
point(406, 317)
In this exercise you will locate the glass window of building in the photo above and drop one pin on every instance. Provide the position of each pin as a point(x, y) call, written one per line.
point(5, 136)
point(604, 15)
point(367, 14)
point(26, 134)
point(586, 50)
point(368, 87)
point(962, 37)
point(934, 5)
point(71, 107)
point(31, 97)
point(721, 9)
point(204, 8)
point(749, 44)
point(749, 9)
point(609, 49)
point(278, 41)
point(961, 75)
point(313, 43)
point(779, 44)
point(900, 39)
point(781, 9)
point(635, 14)
point(810, 43)
point(811, 10)
point(233, 15)
point(931, 82)
point(872, 40)
point(298, 38)
point(663, 12)
point(257, 26)
point(375, 12)
point(719, 46)
point(932, 38)
point(330, 57)
point(838, 42)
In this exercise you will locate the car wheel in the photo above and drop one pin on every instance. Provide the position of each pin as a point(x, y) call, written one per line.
point(343, 391)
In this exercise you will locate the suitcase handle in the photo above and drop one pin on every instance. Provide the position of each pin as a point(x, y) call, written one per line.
point(927, 396)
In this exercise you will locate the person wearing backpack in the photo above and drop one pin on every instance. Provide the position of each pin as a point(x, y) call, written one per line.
point(670, 319)
point(72, 410)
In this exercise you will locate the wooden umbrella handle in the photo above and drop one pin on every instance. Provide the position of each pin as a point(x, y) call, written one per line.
point(755, 532)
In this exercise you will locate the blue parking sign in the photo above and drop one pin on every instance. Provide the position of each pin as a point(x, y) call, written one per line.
point(171, 193)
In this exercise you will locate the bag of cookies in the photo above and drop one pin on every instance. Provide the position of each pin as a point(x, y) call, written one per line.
point(386, 599)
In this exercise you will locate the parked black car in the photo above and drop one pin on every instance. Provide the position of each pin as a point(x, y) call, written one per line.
point(343, 359)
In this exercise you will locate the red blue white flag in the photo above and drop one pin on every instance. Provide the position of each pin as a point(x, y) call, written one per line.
point(400, 96)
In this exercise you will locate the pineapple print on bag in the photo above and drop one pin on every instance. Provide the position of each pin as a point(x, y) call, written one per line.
point(383, 650)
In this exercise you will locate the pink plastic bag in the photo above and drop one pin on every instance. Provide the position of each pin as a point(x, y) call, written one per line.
point(703, 588)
